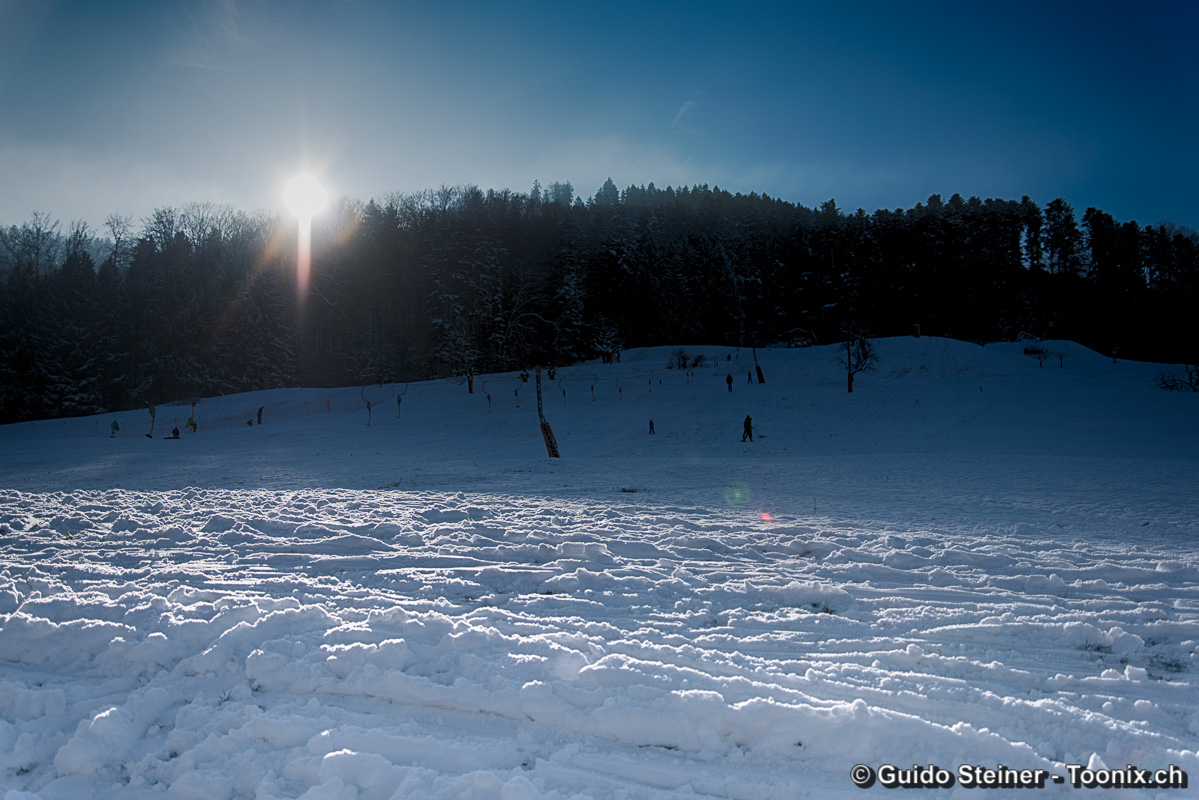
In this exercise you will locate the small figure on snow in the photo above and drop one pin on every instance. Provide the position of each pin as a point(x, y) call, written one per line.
point(729, 380)
point(749, 429)
point(113, 429)
point(174, 433)
point(651, 427)
point(191, 424)
point(260, 415)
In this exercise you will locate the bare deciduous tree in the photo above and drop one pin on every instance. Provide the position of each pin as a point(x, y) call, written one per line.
point(78, 240)
point(856, 352)
point(120, 231)
point(32, 248)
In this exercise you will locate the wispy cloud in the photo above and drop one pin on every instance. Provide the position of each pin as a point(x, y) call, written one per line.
point(677, 124)
point(220, 33)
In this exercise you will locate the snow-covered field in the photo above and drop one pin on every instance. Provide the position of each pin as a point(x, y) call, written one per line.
point(971, 560)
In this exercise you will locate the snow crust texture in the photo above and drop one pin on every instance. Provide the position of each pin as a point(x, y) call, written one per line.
point(666, 616)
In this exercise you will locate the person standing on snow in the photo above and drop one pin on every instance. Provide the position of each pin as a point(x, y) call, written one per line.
point(749, 429)
point(729, 381)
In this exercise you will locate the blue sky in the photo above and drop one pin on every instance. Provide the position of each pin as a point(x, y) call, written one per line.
point(129, 105)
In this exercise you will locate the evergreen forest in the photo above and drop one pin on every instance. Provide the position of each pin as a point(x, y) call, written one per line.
point(205, 300)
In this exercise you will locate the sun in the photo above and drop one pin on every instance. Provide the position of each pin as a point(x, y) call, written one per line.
point(304, 196)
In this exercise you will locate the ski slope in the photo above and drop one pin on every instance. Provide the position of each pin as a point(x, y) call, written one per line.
point(972, 560)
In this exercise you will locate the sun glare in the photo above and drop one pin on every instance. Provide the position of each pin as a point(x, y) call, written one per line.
point(304, 196)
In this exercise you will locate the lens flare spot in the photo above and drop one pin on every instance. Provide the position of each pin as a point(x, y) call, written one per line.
point(766, 517)
point(737, 494)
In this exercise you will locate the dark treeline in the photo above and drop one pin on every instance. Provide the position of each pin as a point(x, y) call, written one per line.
point(456, 281)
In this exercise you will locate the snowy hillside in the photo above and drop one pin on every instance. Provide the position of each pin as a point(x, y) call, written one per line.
point(971, 560)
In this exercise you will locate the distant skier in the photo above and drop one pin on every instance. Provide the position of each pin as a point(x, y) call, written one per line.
point(749, 377)
point(260, 415)
point(113, 429)
point(191, 424)
point(174, 433)
point(729, 380)
point(651, 427)
point(749, 429)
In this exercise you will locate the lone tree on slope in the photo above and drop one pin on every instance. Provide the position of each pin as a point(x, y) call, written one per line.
point(856, 352)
